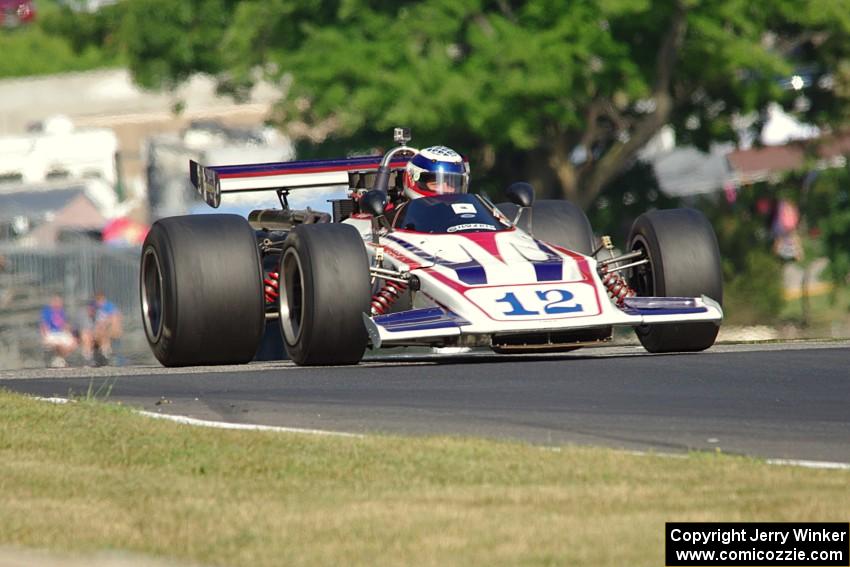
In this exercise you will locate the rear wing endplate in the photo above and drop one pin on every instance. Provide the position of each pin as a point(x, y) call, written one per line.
point(212, 181)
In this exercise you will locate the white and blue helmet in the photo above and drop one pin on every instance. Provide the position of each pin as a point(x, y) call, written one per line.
point(435, 171)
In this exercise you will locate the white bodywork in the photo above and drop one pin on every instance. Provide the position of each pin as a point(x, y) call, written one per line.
point(506, 282)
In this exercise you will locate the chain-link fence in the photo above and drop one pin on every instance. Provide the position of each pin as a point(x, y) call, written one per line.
point(29, 277)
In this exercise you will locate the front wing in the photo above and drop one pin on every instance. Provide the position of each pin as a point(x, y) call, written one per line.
point(434, 325)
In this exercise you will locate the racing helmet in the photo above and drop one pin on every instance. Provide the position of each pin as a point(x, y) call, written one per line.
point(435, 171)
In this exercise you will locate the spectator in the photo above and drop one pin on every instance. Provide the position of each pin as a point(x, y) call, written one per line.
point(56, 334)
point(5, 292)
point(99, 325)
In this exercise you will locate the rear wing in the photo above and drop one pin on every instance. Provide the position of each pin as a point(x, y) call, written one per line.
point(212, 181)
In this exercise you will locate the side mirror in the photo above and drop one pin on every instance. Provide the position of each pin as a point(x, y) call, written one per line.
point(374, 202)
point(520, 193)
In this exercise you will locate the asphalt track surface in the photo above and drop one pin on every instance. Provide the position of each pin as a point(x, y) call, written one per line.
point(789, 401)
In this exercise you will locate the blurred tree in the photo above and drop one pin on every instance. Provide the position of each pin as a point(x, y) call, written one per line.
point(565, 93)
point(752, 273)
point(167, 41)
point(61, 40)
point(84, 31)
point(827, 208)
point(627, 196)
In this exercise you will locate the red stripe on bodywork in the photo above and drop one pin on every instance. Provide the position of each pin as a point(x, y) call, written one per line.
point(447, 281)
point(580, 260)
point(486, 240)
point(401, 257)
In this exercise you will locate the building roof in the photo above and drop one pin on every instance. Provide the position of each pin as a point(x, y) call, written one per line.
point(688, 171)
point(760, 164)
point(37, 204)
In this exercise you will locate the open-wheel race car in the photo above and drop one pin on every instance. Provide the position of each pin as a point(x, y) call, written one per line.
point(447, 269)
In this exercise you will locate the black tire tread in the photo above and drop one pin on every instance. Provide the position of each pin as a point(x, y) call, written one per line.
point(213, 310)
point(337, 292)
point(685, 261)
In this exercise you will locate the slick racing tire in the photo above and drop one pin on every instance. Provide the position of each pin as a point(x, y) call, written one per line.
point(201, 290)
point(684, 261)
point(557, 222)
point(324, 293)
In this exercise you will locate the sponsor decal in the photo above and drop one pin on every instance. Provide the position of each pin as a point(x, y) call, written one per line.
point(470, 226)
point(463, 208)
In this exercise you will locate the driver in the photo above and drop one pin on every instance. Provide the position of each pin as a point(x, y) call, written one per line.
point(437, 170)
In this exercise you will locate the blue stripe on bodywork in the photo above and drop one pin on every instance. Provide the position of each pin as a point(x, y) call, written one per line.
point(470, 273)
point(549, 270)
point(420, 320)
point(354, 162)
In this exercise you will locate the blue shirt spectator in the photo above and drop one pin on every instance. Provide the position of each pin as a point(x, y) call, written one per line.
point(103, 309)
point(53, 318)
point(55, 333)
point(100, 325)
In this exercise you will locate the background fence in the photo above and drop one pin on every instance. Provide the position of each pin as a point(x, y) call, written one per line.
point(29, 277)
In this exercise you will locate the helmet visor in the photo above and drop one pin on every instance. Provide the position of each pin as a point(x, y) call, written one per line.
point(443, 182)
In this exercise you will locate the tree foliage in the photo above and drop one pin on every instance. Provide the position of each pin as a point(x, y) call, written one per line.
point(827, 206)
point(564, 93)
point(626, 197)
point(752, 272)
point(167, 41)
point(61, 40)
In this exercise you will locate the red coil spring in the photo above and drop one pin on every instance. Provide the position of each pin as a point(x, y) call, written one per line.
point(618, 289)
point(272, 287)
point(383, 300)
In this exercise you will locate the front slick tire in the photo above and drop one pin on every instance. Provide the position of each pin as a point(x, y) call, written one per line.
point(326, 291)
point(201, 290)
point(684, 261)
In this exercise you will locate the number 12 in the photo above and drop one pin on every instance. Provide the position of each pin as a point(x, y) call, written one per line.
point(553, 307)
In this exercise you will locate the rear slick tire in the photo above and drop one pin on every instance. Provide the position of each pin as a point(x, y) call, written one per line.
point(325, 292)
point(201, 290)
point(684, 261)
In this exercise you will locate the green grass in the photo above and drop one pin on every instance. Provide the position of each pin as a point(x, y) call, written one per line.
point(825, 309)
point(89, 476)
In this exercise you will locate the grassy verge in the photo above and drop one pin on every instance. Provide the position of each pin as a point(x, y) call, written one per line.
point(89, 476)
point(825, 309)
